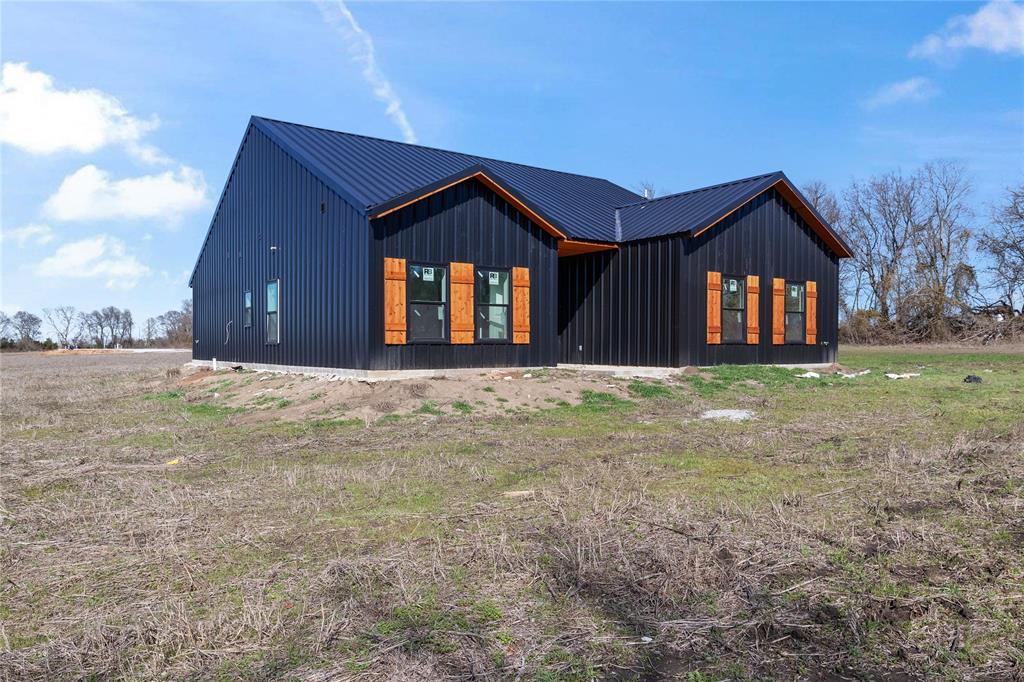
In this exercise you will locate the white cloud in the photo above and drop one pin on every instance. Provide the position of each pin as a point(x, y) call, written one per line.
point(916, 89)
point(997, 27)
point(360, 45)
point(90, 194)
point(33, 233)
point(102, 256)
point(41, 119)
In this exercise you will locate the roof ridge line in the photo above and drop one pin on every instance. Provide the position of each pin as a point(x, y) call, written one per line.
point(701, 189)
point(439, 149)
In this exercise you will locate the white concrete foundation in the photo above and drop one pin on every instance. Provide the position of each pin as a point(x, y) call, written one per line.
point(336, 374)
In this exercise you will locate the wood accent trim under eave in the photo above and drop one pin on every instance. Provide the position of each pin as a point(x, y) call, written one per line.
point(782, 187)
point(493, 186)
point(575, 247)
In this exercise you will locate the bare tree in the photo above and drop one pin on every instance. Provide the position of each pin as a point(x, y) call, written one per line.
point(92, 328)
point(27, 326)
point(62, 320)
point(1003, 242)
point(943, 274)
point(6, 326)
point(150, 331)
point(647, 189)
point(851, 279)
point(883, 216)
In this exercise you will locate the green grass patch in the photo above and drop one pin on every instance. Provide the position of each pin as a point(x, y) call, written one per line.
point(43, 491)
point(462, 406)
point(598, 401)
point(652, 389)
point(165, 396)
point(428, 407)
point(208, 411)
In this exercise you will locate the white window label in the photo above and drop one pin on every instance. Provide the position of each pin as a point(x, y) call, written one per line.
point(492, 277)
point(794, 291)
point(428, 274)
point(732, 286)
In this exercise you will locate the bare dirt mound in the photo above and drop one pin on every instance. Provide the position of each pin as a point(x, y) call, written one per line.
point(267, 395)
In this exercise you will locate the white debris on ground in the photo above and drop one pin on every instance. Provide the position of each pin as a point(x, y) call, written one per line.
point(808, 375)
point(854, 375)
point(908, 375)
point(731, 415)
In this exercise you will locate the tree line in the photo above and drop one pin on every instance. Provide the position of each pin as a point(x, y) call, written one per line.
point(926, 266)
point(109, 327)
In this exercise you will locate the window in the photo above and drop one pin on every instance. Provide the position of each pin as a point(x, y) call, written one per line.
point(428, 303)
point(247, 308)
point(734, 314)
point(273, 311)
point(492, 304)
point(795, 299)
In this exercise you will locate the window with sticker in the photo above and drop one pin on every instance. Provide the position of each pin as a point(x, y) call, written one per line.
point(428, 303)
point(734, 309)
point(493, 299)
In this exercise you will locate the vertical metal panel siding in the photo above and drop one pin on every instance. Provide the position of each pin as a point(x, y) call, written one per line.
point(644, 304)
point(620, 306)
point(765, 238)
point(321, 260)
point(466, 223)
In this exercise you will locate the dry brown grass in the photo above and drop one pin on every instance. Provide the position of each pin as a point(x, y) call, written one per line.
point(650, 545)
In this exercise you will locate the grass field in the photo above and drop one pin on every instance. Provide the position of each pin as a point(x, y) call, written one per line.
point(861, 528)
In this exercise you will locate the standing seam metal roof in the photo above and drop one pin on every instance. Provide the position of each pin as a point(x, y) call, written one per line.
point(371, 172)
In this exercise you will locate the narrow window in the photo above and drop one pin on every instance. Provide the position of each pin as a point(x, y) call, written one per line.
point(734, 303)
point(247, 308)
point(492, 302)
point(795, 300)
point(428, 303)
point(273, 311)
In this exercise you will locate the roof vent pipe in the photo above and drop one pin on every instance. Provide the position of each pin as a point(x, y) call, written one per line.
point(647, 193)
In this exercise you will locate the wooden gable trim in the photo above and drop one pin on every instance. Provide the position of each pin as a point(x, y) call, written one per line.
point(802, 209)
point(575, 247)
point(491, 184)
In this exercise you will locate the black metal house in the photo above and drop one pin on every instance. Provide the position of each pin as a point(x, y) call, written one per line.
point(333, 251)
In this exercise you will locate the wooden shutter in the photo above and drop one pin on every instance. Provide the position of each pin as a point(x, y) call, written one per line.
point(394, 301)
point(753, 298)
point(520, 305)
point(778, 311)
point(462, 302)
point(811, 313)
point(714, 307)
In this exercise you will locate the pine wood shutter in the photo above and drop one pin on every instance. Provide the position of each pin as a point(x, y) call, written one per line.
point(811, 314)
point(714, 307)
point(778, 311)
point(753, 298)
point(394, 301)
point(462, 302)
point(520, 305)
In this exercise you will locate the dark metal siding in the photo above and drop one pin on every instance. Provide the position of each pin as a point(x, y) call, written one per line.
point(645, 304)
point(620, 306)
point(471, 224)
point(321, 260)
point(765, 238)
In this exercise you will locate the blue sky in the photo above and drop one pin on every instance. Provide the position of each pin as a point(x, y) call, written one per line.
point(119, 122)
